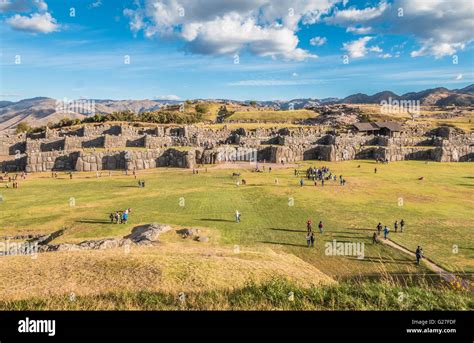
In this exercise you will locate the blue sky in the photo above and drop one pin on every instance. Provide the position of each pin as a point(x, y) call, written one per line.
point(180, 50)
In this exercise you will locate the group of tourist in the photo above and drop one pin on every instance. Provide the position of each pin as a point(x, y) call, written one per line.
point(14, 179)
point(120, 217)
point(319, 174)
point(386, 229)
point(310, 237)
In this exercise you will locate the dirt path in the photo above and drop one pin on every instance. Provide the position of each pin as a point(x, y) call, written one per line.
point(449, 277)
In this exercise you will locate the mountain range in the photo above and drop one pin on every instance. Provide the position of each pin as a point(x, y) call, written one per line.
point(42, 110)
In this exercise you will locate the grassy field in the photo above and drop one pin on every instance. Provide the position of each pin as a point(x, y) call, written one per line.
point(270, 240)
point(438, 210)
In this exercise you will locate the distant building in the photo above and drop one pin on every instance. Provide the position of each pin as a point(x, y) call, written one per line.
point(386, 128)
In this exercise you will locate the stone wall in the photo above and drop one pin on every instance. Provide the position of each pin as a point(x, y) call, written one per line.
point(52, 160)
point(13, 165)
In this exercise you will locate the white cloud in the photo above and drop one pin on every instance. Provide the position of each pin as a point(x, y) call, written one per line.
point(385, 56)
point(358, 48)
point(22, 5)
point(36, 23)
point(318, 41)
point(375, 48)
point(441, 27)
point(359, 30)
point(167, 97)
point(458, 77)
point(96, 4)
point(215, 27)
point(358, 15)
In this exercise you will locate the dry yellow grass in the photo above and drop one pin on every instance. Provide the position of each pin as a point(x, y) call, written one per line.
point(172, 266)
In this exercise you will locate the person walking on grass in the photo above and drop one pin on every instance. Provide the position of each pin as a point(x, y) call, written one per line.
point(320, 227)
point(386, 231)
point(379, 228)
point(312, 239)
point(112, 217)
point(308, 239)
point(395, 225)
point(301, 182)
point(402, 225)
point(419, 255)
point(237, 216)
point(375, 238)
point(309, 226)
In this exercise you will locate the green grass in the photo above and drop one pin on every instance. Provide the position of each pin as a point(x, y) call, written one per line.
point(277, 294)
point(438, 210)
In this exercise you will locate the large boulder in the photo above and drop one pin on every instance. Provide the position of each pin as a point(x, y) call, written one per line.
point(149, 232)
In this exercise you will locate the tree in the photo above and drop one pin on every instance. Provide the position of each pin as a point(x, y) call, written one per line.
point(202, 108)
point(23, 127)
point(253, 103)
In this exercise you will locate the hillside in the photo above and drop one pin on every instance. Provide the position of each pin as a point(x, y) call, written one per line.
point(430, 97)
point(41, 111)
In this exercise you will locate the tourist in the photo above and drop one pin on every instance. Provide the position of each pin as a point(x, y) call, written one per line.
point(125, 217)
point(237, 216)
point(118, 218)
point(111, 216)
point(386, 231)
point(320, 227)
point(322, 182)
point(308, 239)
point(309, 225)
point(301, 182)
point(375, 170)
point(312, 238)
point(402, 225)
point(379, 228)
point(395, 226)
point(419, 254)
point(375, 238)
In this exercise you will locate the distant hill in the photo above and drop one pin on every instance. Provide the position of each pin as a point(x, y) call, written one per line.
point(41, 110)
point(430, 97)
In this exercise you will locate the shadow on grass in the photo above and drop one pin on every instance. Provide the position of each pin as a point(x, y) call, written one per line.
point(354, 237)
point(282, 243)
point(217, 220)
point(94, 221)
point(286, 230)
point(383, 260)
